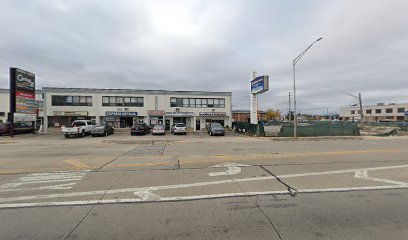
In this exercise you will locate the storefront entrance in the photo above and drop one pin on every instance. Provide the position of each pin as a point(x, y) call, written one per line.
point(126, 122)
point(220, 121)
point(167, 124)
point(156, 120)
point(180, 120)
point(198, 124)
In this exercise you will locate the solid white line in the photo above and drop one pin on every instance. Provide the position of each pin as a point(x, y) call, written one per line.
point(197, 197)
point(199, 184)
point(341, 171)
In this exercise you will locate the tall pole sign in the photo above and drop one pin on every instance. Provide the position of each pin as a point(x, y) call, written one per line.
point(23, 107)
point(259, 85)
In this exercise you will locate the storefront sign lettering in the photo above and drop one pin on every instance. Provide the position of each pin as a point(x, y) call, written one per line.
point(121, 114)
point(156, 112)
point(177, 114)
point(213, 114)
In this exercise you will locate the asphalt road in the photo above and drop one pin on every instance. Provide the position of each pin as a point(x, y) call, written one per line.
point(201, 187)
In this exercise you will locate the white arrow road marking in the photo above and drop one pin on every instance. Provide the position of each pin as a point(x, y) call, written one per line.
point(232, 169)
point(146, 194)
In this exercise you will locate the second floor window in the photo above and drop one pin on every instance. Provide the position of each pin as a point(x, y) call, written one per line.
point(71, 100)
point(115, 101)
point(197, 102)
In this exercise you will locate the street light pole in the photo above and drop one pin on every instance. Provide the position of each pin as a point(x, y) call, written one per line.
point(359, 102)
point(296, 60)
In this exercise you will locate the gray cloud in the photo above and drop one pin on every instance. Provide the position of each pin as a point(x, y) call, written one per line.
point(213, 45)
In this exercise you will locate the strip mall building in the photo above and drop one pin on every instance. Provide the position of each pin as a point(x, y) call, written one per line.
point(124, 107)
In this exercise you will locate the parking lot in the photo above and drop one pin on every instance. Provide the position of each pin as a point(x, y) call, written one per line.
point(202, 187)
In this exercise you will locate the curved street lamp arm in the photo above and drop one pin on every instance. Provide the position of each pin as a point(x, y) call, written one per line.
point(296, 60)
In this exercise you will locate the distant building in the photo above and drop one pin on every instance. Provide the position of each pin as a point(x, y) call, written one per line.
point(374, 113)
point(244, 116)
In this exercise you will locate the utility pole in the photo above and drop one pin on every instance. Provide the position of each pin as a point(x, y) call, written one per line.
point(290, 112)
point(361, 107)
point(360, 101)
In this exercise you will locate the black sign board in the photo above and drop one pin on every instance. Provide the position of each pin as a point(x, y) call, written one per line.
point(23, 106)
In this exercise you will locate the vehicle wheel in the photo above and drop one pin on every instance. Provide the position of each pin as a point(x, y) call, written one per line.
point(66, 136)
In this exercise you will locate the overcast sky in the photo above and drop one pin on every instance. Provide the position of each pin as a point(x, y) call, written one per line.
point(213, 45)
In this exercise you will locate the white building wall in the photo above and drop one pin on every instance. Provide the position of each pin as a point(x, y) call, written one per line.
point(97, 111)
point(346, 114)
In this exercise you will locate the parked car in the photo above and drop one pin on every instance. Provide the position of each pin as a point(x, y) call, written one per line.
point(179, 128)
point(139, 128)
point(102, 130)
point(158, 130)
point(78, 128)
point(19, 127)
point(216, 129)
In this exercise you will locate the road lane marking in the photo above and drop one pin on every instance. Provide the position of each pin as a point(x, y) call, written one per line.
point(44, 178)
point(77, 164)
point(363, 174)
point(232, 169)
point(151, 189)
point(192, 160)
point(196, 197)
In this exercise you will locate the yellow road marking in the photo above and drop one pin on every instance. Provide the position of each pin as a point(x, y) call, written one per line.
point(77, 164)
point(197, 159)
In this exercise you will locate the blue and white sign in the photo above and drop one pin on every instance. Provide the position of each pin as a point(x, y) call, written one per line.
point(179, 114)
point(260, 84)
point(406, 113)
point(121, 114)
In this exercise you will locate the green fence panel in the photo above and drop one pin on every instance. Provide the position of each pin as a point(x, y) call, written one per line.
point(321, 129)
point(250, 129)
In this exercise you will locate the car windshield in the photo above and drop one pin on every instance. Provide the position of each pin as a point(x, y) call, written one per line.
point(158, 127)
point(100, 126)
point(180, 125)
point(78, 124)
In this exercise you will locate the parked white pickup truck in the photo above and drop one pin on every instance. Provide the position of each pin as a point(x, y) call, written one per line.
point(79, 128)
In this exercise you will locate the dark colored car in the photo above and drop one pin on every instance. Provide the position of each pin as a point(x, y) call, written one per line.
point(19, 127)
point(102, 130)
point(216, 129)
point(139, 128)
